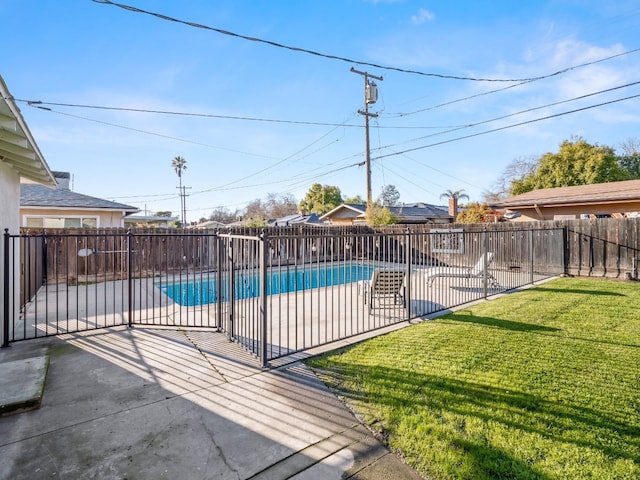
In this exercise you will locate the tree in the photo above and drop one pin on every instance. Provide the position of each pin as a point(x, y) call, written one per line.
point(630, 158)
point(476, 212)
point(458, 194)
point(278, 206)
point(224, 215)
point(274, 206)
point(255, 222)
point(255, 210)
point(631, 165)
point(358, 200)
point(378, 214)
point(491, 197)
point(321, 199)
point(179, 164)
point(389, 196)
point(517, 169)
point(576, 163)
point(163, 213)
point(453, 199)
point(631, 146)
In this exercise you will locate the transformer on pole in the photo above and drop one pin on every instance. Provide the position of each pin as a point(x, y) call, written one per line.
point(370, 97)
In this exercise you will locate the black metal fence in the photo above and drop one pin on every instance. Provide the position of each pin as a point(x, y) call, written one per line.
point(276, 292)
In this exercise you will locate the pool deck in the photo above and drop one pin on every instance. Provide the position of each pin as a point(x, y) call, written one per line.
point(296, 320)
point(167, 402)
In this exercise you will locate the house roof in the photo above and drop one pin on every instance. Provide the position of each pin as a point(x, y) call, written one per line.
point(418, 211)
point(150, 218)
point(209, 224)
point(626, 191)
point(358, 208)
point(32, 195)
point(407, 213)
point(18, 149)
point(297, 219)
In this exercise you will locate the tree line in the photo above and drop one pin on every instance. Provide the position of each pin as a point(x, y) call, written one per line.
point(577, 162)
point(319, 199)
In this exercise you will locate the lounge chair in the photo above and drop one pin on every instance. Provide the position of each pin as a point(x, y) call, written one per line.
point(384, 284)
point(467, 273)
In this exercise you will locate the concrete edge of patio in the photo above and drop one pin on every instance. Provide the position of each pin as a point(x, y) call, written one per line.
point(22, 384)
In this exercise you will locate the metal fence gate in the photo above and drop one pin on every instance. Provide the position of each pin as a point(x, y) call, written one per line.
point(274, 293)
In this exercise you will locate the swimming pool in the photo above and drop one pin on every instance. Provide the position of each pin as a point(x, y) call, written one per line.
point(247, 285)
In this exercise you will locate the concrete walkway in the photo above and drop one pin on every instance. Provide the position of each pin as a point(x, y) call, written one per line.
point(165, 404)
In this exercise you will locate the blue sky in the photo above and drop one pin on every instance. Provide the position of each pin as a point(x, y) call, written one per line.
point(86, 53)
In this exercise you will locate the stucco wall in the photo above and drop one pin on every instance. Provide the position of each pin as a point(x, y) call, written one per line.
point(105, 219)
point(9, 218)
point(9, 199)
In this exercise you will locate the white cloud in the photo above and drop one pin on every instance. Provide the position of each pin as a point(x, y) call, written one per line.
point(422, 16)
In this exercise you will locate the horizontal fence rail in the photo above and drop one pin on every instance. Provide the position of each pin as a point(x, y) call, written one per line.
point(274, 292)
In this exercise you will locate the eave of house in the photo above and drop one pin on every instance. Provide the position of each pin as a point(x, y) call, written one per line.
point(558, 204)
point(627, 191)
point(18, 148)
point(26, 208)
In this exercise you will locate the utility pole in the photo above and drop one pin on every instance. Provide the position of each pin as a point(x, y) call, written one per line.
point(183, 203)
point(370, 97)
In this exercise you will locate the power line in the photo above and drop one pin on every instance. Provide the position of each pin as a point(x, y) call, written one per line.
point(146, 132)
point(419, 187)
point(398, 115)
point(440, 171)
point(275, 164)
point(307, 179)
point(39, 103)
point(528, 110)
point(324, 55)
point(290, 186)
point(506, 127)
point(228, 186)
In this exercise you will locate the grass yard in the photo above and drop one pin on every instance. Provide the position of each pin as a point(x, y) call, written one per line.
point(540, 384)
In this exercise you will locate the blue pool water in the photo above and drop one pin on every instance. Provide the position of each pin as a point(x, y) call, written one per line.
point(247, 285)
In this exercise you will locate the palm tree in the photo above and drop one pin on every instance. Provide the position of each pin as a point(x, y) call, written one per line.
point(453, 200)
point(179, 164)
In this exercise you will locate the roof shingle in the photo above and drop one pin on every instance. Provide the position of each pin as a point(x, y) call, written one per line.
point(32, 195)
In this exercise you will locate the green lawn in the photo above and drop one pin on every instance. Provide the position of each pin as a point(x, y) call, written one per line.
point(542, 384)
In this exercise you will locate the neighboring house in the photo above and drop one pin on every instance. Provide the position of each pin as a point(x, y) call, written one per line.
point(43, 207)
point(301, 218)
point(613, 199)
point(149, 221)
point(20, 158)
point(355, 214)
point(209, 224)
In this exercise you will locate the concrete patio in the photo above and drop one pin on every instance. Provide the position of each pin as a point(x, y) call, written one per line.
point(164, 403)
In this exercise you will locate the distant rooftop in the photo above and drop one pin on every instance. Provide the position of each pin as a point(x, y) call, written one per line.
point(297, 219)
point(406, 212)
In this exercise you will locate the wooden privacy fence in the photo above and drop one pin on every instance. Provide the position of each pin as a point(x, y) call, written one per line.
point(608, 247)
point(603, 247)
